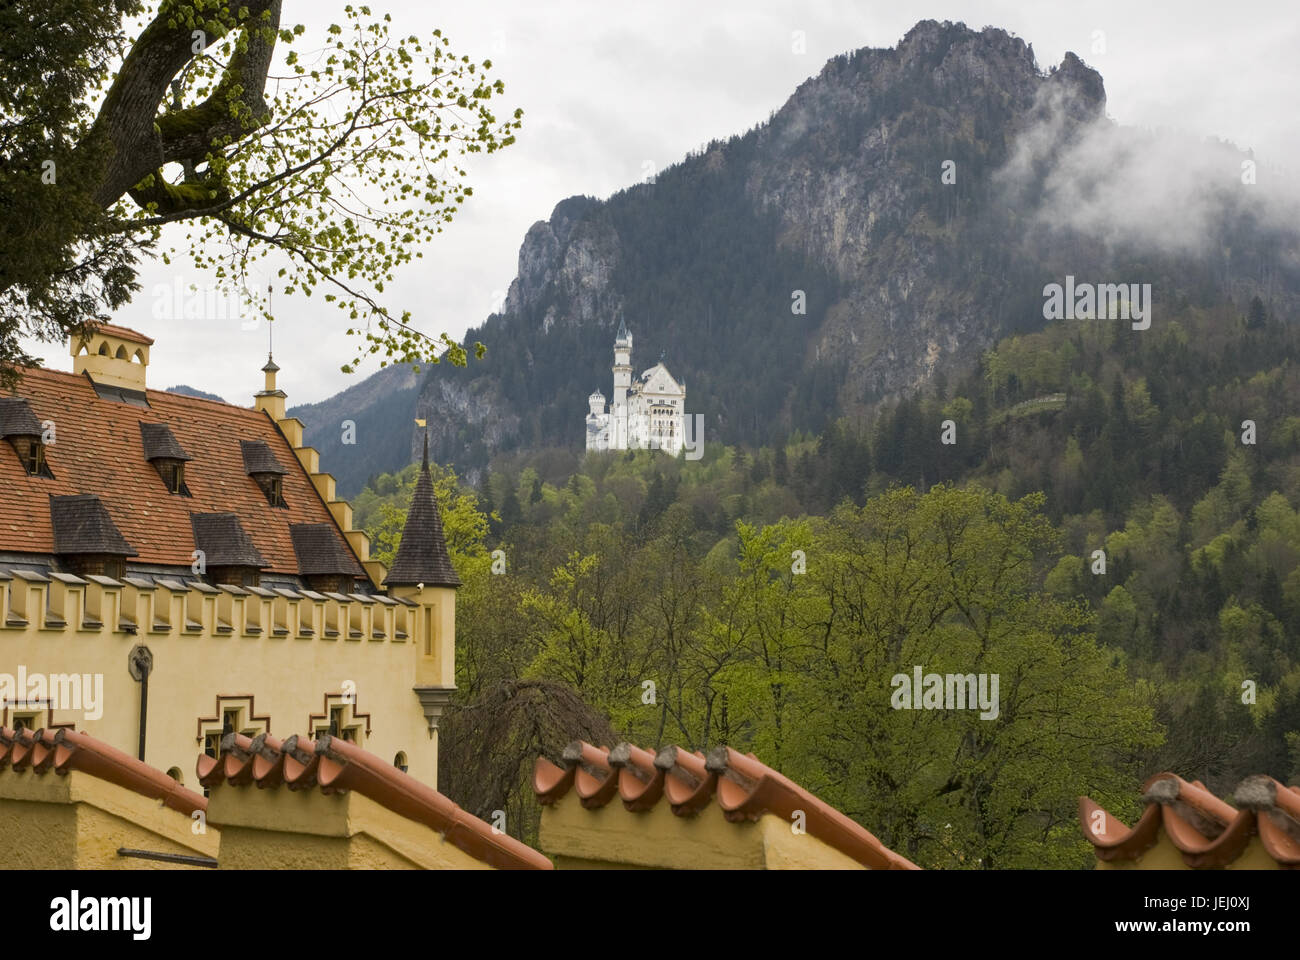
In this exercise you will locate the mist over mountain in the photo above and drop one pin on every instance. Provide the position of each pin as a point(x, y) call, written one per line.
point(916, 199)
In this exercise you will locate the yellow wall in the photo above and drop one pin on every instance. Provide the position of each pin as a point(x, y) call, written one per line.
point(277, 829)
point(287, 676)
point(77, 821)
point(1165, 856)
point(611, 836)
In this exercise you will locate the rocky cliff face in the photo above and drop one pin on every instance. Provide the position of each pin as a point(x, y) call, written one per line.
point(899, 192)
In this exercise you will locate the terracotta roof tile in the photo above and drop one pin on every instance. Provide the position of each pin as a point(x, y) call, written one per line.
point(64, 750)
point(1206, 830)
point(333, 765)
point(125, 333)
point(99, 450)
point(744, 787)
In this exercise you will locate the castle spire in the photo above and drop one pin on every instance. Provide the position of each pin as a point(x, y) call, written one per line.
point(422, 556)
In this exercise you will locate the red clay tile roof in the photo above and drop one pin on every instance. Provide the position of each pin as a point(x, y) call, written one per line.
point(1206, 830)
point(743, 786)
point(99, 450)
point(64, 750)
point(124, 333)
point(334, 765)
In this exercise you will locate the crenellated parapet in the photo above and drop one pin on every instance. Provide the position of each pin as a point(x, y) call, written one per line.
point(61, 602)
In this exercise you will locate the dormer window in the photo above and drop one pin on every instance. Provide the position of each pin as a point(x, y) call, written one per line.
point(85, 537)
point(31, 452)
point(167, 455)
point(273, 486)
point(260, 464)
point(173, 476)
point(229, 554)
point(18, 425)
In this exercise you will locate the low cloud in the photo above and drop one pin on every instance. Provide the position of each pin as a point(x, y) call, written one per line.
point(1159, 189)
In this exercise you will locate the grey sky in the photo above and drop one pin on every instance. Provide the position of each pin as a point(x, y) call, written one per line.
point(608, 88)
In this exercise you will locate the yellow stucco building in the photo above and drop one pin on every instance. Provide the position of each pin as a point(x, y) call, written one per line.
point(173, 569)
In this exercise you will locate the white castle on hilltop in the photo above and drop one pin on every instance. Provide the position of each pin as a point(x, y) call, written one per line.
point(647, 412)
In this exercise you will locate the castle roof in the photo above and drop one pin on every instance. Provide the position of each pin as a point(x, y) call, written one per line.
point(103, 450)
point(422, 555)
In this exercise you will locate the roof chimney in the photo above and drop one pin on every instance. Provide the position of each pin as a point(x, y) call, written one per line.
point(112, 356)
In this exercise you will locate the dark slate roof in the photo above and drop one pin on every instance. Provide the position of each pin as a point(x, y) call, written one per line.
point(108, 391)
point(422, 555)
point(161, 443)
point(258, 458)
point(622, 330)
point(223, 541)
point(82, 525)
point(17, 419)
point(321, 550)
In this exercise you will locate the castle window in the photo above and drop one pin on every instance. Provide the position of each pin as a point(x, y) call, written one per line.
point(273, 486)
point(19, 425)
point(230, 554)
point(31, 452)
point(27, 721)
point(399, 761)
point(173, 475)
point(233, 715)
point(340, 720)
point(167, 456)
point(261, 464)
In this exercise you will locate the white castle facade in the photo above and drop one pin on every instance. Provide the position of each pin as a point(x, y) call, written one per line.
point(648, 412)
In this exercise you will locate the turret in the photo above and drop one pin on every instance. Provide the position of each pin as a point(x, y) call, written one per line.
point(271, 398)
point(422, 572)
point(113, 357)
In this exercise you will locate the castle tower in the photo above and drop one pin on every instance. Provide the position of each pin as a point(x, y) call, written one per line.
point(618, 434)
point(422, 572)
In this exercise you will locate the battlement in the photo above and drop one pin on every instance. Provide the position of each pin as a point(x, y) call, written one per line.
point(61, 602)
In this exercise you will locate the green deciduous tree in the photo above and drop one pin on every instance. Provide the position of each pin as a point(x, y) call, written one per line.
point(119, 119)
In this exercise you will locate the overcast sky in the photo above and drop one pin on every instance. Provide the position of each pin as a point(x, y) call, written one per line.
point(608, 86)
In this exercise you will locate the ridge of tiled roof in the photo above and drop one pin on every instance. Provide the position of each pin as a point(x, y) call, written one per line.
point(321, 550)
point(17, 419)
point(422, 555)
point(82, 525)
point(64, 750)
point(1206, 830)
point(124, 333)
point(333, 765)
point(258, 458)
point(159, 441)
point(100, 451)
point(224, 542)
point(743, 786)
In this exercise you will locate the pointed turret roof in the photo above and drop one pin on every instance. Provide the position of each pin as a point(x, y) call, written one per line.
point(623, 335)
point(422, 555)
